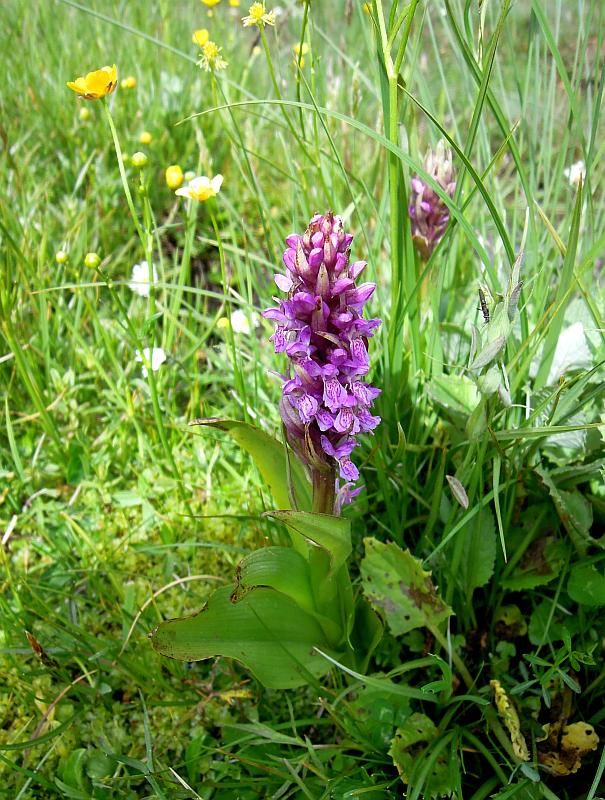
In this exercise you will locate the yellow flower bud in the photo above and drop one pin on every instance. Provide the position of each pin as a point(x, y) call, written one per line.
point(139, 160)
point(174, 176)
point(92, 260)
point(145, 138)
point(129, 83)
point(84, 113)
point(61, 257)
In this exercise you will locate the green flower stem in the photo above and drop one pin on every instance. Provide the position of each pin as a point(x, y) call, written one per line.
point(239, 380)
point(324, 482)
point(299, 62)
point(286, 116)
point(147, 244)
point(403, 282)
point(458, 662)
point(125, 186)
point(184, 272)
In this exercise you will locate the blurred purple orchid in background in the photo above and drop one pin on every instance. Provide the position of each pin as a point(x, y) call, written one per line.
point(428, 213)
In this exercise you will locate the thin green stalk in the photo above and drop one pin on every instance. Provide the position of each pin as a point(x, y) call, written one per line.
point(286, 116)
point(125, 186)
point(146, 242)
point(184, 272)
point(239, 381)
point(324, 482)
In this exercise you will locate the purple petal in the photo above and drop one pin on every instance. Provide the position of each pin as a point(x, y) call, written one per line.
point(361, 295)
point(348, 470)
point(341, 285)
point(367, 422)
point(334, 394)
point(292, 240)
point(279, 339)
point(324, 419)
point(417, 185)
point(316, 256)
point(289, 259)
point(303, 303)
point(346, 422)
point(357, 268)
point(276, 314)
point(284, 282)
point(307, 406)
point(364, 393)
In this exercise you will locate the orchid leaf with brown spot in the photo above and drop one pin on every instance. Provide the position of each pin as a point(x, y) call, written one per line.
point(396, 584)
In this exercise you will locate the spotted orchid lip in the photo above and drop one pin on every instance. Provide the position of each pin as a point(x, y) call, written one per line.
point(321, 329)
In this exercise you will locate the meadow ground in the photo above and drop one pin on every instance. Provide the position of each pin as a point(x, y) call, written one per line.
point(488, 464)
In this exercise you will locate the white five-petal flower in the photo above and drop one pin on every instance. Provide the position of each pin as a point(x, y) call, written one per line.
point(239, 321)
point(142, 277)
point(201, 188)
point(153, 358)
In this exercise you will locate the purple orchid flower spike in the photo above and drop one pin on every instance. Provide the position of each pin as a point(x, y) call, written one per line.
point(320, 327)
point(428, 213)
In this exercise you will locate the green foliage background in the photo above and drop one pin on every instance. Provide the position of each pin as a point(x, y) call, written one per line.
point(104, 535)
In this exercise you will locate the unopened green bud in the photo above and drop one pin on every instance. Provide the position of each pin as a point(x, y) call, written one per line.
point(139, 160)
point(61, 257)
point(92, 260)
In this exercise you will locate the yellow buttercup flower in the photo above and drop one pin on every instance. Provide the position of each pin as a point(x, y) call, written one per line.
point(234, 3)
point(200, 37)
point(201, 188)
point(174, 176)
point(211, 3)
point(128, 83)
point(211, 58)
point(145, 138)
point(258, 15)
point(97, 84)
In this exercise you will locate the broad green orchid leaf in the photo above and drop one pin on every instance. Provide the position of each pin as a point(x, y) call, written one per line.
point(395, 582)
point(331, 533)
point(279, 467)
point(279, 568)
point(266, 631)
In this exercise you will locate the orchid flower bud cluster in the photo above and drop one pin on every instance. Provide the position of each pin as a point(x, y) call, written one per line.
point(428, 213)
point(320, 327)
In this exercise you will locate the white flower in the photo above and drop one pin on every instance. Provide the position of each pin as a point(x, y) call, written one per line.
point(153, 358)
point(140, 278)
point(575, 172)
point(239, 321)
point(201, 188)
